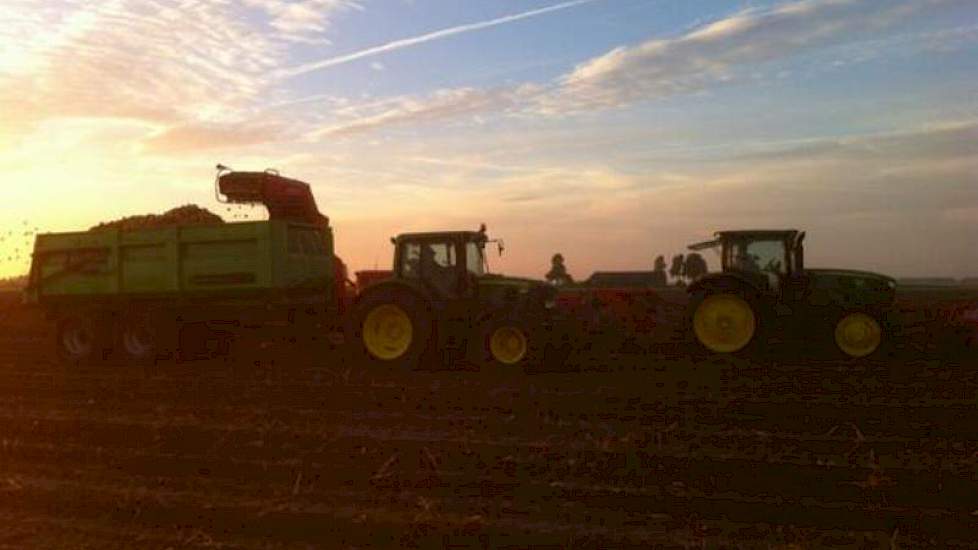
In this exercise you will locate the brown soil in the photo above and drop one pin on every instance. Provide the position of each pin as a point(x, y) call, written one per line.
point(298, 451)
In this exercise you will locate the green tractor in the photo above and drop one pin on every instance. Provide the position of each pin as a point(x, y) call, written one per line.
point(765, 289)
point(441, 304)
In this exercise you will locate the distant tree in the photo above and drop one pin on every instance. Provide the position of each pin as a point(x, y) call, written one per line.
point(676, 271)
point(558, 271)
point(660, 264)
point(694, 267)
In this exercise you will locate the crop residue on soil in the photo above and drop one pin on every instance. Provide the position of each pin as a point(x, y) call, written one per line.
point(302, 450)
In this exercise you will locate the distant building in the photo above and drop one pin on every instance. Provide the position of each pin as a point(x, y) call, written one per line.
point(627, 279)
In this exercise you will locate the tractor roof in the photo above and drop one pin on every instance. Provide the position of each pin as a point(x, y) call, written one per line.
point(745, 234)
point(433, 235)
point(761, 233)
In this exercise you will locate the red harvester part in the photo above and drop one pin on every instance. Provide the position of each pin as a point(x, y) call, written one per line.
point(285, 198)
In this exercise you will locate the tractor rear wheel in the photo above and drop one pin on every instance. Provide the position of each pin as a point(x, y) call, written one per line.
point(858, 334)
point(391, 329)
point(724, 322)
point(502, 343)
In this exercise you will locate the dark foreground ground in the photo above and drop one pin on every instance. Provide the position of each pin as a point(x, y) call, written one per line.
point(295, 451)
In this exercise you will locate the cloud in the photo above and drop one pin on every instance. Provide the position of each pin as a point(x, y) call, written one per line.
point(423, 38)
point(715, 53)
point(185, 138)
point(152, 60)
point(704, 57)
point(440, 105)
point(303, 21)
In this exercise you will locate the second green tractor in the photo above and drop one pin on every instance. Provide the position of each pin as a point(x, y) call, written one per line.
point(764, 292)
point(441, 305)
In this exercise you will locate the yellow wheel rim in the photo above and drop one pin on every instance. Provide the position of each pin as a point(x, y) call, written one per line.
point(387, 332)
point(508, 345)
point(858, 335)
point(724, 323)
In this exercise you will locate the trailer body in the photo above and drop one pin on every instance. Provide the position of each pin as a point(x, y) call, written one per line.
point(187, 291)
point(272, 259)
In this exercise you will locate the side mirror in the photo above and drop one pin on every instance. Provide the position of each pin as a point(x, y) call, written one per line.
point(393, 240)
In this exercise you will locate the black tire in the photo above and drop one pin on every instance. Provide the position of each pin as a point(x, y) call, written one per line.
point(506, 330)
point(364, 328)
point(138, 339)
point(83, 339)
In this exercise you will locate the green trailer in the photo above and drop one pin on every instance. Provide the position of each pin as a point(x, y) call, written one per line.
point(146, 292)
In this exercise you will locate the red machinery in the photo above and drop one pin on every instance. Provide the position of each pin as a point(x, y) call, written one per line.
point(630, 311)
point(285, 198)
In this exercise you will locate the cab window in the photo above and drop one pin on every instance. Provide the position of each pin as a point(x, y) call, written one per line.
point(474, 260)
point(758, 256)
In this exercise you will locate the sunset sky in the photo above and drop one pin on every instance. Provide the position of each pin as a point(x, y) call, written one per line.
point(609, 130)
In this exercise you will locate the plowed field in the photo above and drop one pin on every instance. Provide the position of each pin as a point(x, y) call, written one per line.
point(299, 450)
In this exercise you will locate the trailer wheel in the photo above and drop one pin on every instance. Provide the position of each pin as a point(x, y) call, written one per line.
point(391, 329)
point(138, 338)
point(80, 339)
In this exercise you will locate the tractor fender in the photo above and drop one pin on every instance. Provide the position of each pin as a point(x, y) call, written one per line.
point(716, 281)
point(399, 285)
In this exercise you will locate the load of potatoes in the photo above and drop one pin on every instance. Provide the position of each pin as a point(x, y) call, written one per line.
point(189, 214)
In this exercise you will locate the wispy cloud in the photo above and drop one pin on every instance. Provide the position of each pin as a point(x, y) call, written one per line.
point(703, 57)
point(421, 39)
point(191, 137)
point(440, 105)
point(716, 53)
point(149, 60)
point(303, 21)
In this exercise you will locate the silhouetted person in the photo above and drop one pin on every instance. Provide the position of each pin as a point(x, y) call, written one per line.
point(558, 272)
point(694, 267)
point(676, 271)
point(660, 264)
point(433, 271)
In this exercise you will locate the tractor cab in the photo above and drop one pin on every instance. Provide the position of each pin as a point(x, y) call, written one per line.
point(446, 263)
point(765, 257)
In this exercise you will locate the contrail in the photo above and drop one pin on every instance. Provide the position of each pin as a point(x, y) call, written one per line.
point(436, 35)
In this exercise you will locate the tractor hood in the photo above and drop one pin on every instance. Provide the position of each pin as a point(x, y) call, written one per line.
point(502, 288)
point(850, 273)
point(861, 286)
point(497, 279)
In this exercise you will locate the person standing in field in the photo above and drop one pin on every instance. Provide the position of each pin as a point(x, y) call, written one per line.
point(558, 275)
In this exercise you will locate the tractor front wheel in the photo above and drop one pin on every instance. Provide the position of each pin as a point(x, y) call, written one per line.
point(858, 334)
point(502, 343)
